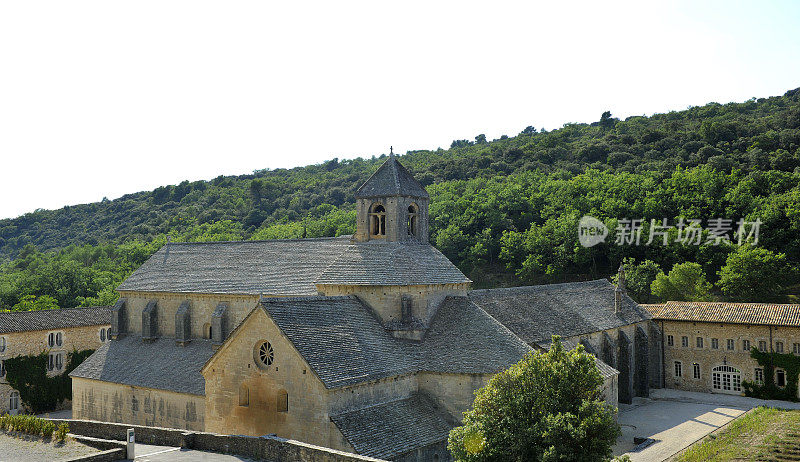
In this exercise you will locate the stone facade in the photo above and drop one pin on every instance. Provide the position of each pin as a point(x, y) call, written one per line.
point(35, 342)
point(110, 402)
point(715, 353)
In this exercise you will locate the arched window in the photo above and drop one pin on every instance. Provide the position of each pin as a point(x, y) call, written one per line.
point(2, 344)
point(377, 221)
point(726, 379)
point(207, 330)
point(244, 395)
point(283, 401)
point(412, 220)
point(102, 335)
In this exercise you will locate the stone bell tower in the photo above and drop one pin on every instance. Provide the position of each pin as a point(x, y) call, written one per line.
point(391, 206)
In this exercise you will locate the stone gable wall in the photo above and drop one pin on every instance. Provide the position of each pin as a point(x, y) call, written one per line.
point(307, 418)
point(111, 402)
point(35, 342)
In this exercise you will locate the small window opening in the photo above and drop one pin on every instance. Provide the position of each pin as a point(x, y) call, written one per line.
point(283, 401)
point(13, 402)
point(3, 344)
point(59, 339)
point(207, 331)
point(244, 395)
point(696, 370)
point(102, 335)
point(780, 378)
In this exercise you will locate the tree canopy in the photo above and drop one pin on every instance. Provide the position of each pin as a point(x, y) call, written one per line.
point(547, 407)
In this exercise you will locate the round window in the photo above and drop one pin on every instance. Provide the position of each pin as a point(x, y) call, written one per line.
point(264, 354)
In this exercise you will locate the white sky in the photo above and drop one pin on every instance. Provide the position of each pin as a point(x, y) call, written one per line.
point(104, 98)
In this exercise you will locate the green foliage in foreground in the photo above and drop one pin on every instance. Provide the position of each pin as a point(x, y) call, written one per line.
point(40, 393)
point(33, 425)
point(547, 407)
point(761, 434)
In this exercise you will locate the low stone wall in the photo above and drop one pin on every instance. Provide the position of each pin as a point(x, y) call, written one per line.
point(270, 448)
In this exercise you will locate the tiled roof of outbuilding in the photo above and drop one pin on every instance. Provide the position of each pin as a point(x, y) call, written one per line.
point(391, 263)
point(391, 179)
point(23, 321)
point(388, 430)
point(774, 314)
point(162, 364)
point(345, 344)
point(536, 313)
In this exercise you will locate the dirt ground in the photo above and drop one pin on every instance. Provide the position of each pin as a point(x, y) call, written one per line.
point(25, 448)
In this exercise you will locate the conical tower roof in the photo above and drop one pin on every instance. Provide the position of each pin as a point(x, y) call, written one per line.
point(391, 179)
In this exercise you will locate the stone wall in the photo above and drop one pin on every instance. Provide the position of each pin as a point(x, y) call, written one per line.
point(35, 342)
point(268, 448)
point(385, 301)
point(455, 393)
point(111, 402)
point(629, 349)
point(708, 357)
point(201, 307)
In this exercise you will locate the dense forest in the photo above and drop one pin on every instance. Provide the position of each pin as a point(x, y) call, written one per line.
point(506, 211)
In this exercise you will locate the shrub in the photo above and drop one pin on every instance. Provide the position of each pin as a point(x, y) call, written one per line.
point(33, 425)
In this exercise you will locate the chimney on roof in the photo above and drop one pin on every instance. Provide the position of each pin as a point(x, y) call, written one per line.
point(619, 291)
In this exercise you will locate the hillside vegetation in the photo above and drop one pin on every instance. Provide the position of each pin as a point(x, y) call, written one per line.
point(505, 211)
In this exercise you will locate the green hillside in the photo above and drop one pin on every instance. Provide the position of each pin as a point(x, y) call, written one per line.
point(505, 211)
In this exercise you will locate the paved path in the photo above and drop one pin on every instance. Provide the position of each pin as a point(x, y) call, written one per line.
point(150, 453)
point(676, 419)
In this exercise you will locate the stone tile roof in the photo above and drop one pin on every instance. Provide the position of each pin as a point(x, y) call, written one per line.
point(774, 314)
point(22, 321)
point(274, 267)
point(391, 263)
point(288, 266)
point(345, 344)
point(161, 364)
point(388, 430)
point(536, 313)
point(391, 179)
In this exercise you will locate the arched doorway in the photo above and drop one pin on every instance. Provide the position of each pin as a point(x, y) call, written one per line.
point(726, 379)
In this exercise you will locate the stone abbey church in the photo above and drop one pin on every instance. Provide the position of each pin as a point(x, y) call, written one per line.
point(372, 343)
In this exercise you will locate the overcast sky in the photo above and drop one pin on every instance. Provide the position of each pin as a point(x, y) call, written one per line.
point(104, 98)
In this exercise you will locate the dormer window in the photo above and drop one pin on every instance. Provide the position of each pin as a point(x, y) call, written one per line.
point(377, 221)
point(412, 220)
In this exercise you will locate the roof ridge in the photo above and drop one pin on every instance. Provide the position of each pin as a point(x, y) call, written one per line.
point(296, 239)
point(555, 284)
point(301, 298)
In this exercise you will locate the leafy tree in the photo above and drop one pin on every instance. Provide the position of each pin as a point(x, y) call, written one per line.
point(638, 278)
point(753, 274)
point(685, 282)
point(547, 407)
point(33, 303)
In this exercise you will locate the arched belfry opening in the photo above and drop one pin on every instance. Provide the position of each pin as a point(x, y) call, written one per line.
point(412, 221)
point(392, 206)
point(377, 221)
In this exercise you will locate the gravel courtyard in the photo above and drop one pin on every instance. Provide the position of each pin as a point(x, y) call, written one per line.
point(25, 448)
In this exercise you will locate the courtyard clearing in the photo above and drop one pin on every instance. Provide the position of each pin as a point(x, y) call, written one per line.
point(675, 419)
point(25, 448)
